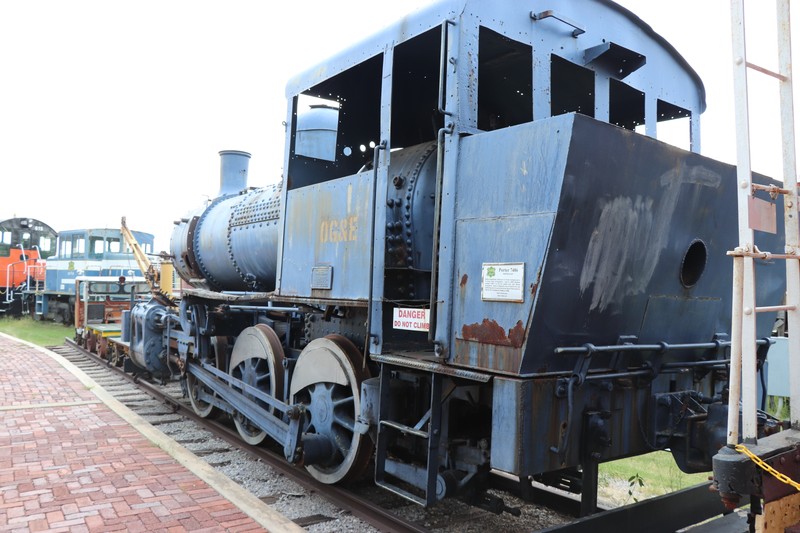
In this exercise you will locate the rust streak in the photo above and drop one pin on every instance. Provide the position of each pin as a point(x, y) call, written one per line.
point(516, 335)
point(490, 332)
point(535, 285)
point(464, 281)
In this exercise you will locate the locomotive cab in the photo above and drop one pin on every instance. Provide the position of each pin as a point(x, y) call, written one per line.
point(402, 102)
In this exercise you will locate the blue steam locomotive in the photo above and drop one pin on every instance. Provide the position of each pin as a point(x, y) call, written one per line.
point(481, 259)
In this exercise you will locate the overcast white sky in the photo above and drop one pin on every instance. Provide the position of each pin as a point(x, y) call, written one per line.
point(111, 108)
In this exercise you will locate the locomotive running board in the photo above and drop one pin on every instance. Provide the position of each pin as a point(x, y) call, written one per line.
point(430, 366)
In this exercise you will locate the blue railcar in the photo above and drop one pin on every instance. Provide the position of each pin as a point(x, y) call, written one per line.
point(84, 252)
point(493, 263)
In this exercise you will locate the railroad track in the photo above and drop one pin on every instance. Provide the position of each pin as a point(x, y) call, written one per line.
point(220, 445)
point(360, 507)
point(320, 507)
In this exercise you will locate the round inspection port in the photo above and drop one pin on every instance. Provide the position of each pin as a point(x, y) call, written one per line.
point(694, 263)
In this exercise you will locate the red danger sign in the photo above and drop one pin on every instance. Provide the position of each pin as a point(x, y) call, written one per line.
point(411, 319)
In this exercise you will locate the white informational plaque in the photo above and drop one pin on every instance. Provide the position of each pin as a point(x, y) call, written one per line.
point(503, 282)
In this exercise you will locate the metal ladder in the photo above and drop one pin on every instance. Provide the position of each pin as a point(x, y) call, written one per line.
point(744, 309)
point(429, 428)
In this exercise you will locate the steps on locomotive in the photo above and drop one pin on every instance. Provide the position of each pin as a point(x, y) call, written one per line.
point(38, 306)
point(394, 474)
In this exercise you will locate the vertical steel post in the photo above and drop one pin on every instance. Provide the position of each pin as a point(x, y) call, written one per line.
point(735, 377)
point(790, 211)
point(746, 316)
point(749, 368)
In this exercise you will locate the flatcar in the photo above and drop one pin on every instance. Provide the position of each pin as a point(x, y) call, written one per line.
point(25, 244)
point(101, 302)
point(486, 262)
point(84, 252)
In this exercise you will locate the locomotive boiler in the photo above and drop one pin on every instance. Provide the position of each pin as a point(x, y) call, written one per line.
point(481, 259)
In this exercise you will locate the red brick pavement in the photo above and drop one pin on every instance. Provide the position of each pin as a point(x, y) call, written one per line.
point(69, 463)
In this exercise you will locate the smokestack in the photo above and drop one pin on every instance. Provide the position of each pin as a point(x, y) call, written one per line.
point(233, 166)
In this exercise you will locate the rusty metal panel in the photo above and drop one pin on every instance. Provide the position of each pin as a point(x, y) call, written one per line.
point(611, 244)
point(762, 215)
point(495, 332)
point(788, 464)
point(328, 226)
point(529, 420)
point(477, 354)
point(508, 418)
point(505, 213)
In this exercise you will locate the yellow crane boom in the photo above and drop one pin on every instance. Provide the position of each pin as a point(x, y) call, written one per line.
point(160, 286)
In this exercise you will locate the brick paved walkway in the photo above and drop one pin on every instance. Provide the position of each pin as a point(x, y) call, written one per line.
point(70, 463)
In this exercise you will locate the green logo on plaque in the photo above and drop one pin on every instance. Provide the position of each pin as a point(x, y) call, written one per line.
point(490, 272)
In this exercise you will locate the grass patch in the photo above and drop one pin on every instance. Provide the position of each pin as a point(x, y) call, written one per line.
point(657, 471)
point(37, 332)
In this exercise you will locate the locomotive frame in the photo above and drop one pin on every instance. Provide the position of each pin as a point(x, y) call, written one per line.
point(485, 267)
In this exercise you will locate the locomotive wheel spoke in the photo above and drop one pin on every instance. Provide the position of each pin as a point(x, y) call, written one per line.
point(343, 413)
point(327, 380)
point(201, 407)
point(256, 356)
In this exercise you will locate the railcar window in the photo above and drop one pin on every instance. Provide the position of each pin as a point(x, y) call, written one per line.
point(5, 243)
point(505, 74)
point(26, 240)
point(571, 88)
point(137, 288)
point(317, 127)
point(114, 246)
point(78, 246)
point(96, 288)
point(626, 105)
point(45, 246)
point(674, 125)
point(66, 248)
point(415, 90)
point(357, 92)
point(96, 247)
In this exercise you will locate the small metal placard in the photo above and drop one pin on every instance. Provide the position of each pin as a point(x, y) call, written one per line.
point(322, 277)
point(763, 216)
point(503, 282)
point(411, 319)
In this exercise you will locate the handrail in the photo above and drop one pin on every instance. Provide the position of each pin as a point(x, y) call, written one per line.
point(443, 66)
point(375, 161)
point(577, 28)
point(437, 209)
